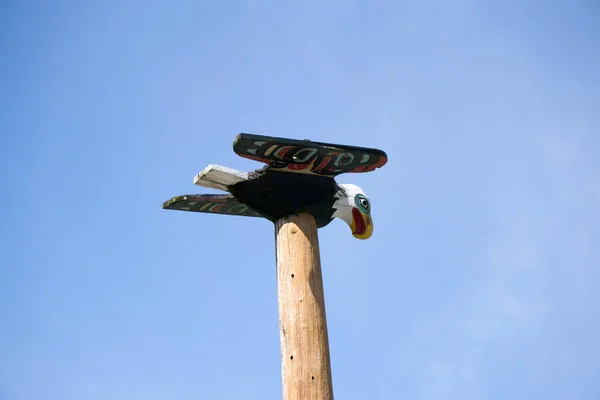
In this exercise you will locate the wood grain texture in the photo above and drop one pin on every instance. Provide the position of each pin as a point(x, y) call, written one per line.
point(306, 368)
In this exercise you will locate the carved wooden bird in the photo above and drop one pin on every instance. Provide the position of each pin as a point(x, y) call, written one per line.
point(299, 177)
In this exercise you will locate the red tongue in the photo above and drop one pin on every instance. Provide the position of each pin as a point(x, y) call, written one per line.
point(359, 222)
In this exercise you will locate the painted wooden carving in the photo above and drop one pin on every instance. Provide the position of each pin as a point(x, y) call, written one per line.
point(308, 157)
point(298, 177)
point(210, 203)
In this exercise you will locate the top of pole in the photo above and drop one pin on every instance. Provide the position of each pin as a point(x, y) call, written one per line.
point(299, 176)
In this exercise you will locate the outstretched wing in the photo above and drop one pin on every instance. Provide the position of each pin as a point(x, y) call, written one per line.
point(210, 203)
point(308, 157)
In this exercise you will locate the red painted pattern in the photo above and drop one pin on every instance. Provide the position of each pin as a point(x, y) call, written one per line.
point(282, 151)
point(372, 167)
point(324, 163)
point(217, 208)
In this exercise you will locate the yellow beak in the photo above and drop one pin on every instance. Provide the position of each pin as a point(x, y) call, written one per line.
point(362, 225)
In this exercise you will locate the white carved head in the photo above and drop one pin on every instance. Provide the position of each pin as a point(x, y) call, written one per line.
point(353, 206)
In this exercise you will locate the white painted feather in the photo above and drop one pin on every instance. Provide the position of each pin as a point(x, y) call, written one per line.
point(218, 177)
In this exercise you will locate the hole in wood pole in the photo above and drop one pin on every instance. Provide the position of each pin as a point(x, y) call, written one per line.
point(292, 275)
point(291, 357)
point(312, 377)
point(294, 230)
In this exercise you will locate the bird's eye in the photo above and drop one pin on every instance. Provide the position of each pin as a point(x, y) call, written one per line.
point(362, 203)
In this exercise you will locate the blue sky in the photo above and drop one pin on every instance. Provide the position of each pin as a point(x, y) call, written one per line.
point(480, 280)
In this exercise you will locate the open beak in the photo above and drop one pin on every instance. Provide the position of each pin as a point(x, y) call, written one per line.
point(362, 225)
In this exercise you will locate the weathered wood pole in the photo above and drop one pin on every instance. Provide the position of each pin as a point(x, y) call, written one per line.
point(306, 368)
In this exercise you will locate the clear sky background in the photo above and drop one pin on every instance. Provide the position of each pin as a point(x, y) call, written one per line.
point(479, 282)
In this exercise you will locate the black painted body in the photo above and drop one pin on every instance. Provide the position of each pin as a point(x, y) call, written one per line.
point(276, 194)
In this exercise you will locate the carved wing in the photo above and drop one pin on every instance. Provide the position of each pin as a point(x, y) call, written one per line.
point(210, 203)
point(308, 157)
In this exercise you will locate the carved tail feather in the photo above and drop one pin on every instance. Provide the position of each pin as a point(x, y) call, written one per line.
point(218, 177)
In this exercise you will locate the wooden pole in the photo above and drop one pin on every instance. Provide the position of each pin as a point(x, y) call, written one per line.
point(306, 368)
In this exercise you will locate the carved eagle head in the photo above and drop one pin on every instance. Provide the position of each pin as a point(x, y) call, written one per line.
point(353, 206)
